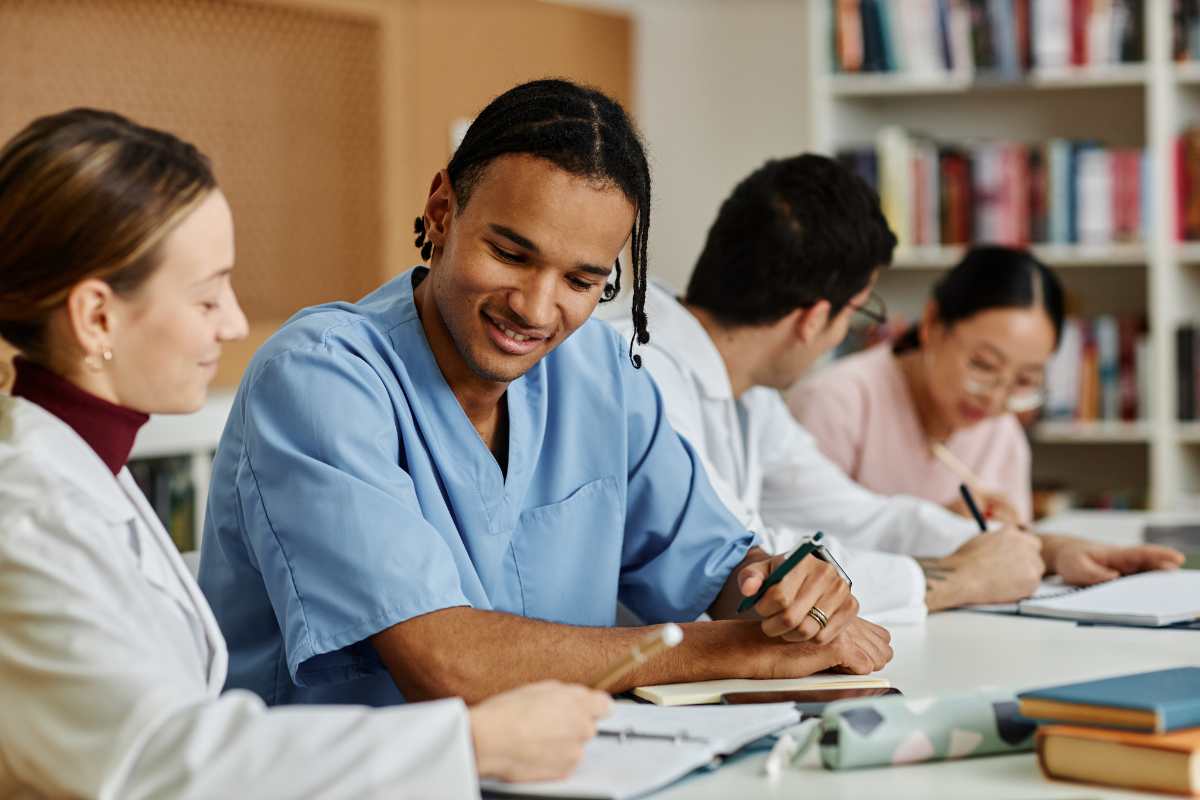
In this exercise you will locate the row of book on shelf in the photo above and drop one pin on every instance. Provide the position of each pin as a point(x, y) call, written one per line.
point(1057, 192)
point(1101, 371)
point(986, 38)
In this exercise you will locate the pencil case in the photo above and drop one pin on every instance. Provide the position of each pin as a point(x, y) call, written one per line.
point(894, 730)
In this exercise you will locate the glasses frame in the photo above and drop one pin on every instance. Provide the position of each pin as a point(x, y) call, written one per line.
point(878, 316)
point(1015, 402)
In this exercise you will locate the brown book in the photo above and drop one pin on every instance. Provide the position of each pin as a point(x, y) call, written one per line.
point(1162, 762)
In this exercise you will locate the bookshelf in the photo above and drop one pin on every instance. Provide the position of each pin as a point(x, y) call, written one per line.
point(1143, 105)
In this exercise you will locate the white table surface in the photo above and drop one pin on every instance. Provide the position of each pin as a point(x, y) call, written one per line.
point(960, 651)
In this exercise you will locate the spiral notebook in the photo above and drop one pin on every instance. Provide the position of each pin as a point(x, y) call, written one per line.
point(642, 748)
point(1148, 599)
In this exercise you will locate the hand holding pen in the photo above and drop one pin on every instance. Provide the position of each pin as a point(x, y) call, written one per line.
point(800, 595)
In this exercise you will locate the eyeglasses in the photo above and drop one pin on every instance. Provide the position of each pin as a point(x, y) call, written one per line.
point(1022, 392)
point(873, 309)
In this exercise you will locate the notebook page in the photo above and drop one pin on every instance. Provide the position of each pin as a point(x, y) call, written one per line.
point(1149, 598)
point(614, 770)
point(724, 728)
point(1054, 586)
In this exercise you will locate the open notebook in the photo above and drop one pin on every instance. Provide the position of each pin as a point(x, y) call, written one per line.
point(643, 748)
point(1149, 599)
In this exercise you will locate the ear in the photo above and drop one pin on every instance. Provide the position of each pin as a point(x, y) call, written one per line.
point(439, 208)
point(931, 324)
point(90, 316)
point(811, 322)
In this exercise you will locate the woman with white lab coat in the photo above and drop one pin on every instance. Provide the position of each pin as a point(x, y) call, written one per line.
point(115, 255)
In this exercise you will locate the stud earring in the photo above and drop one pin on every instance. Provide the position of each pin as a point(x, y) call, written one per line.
point(97, 362)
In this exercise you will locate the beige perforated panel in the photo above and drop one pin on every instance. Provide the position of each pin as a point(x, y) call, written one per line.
point(286, 102)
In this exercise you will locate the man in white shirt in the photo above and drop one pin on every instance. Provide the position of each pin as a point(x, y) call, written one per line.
point(793, 255)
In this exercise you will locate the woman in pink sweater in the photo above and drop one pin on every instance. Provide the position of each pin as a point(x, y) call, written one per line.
point(907, 419)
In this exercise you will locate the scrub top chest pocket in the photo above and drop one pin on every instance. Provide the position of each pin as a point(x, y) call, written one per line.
point(557, 563)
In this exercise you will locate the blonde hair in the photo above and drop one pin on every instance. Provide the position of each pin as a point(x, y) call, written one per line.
point(86, 194)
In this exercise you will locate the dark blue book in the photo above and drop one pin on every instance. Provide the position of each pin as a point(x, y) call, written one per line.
point(1154, 702)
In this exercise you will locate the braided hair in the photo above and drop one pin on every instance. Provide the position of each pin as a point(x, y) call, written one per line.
point(579, 130)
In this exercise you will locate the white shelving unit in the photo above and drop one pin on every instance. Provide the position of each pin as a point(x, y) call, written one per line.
point(193, 435)
point(1144, 105)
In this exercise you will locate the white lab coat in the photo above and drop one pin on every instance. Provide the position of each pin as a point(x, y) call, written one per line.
point(111, 664)
point(774, 478)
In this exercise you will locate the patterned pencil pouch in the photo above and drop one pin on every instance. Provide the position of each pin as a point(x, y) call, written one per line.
point(899, 730)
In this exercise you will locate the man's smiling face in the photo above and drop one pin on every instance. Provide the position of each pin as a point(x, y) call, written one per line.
point(524, 263)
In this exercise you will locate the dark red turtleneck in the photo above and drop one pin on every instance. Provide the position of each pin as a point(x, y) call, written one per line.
point(108, 428)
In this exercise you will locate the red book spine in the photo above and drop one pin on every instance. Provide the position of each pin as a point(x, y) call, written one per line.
point(966, 207)
point(1181, 188)
point(1127, 367)
point(1119, 201)
point(1021, 25)
point(1080, 11)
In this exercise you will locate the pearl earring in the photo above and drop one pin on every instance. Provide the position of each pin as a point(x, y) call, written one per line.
point(95, 361)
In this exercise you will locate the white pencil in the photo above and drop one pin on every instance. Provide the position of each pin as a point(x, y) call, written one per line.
point(662, 639)
point(955, 464)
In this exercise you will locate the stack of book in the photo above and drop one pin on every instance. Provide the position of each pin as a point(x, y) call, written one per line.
point(1057, 192)
point(167, 484)
point(990, 38)
point(1101, 370)
point(1135, 731)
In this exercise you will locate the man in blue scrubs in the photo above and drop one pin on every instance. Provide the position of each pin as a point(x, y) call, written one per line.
point(445, 488)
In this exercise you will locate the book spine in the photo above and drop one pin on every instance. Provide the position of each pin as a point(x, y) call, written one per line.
point(1108, 355)
point(1051, 33)
point(1036, 168)
point(1099, 32)
point(1185, 372)
point(849, 33)
point(1001, 21)
point(895, 190)
point(1127, 368)
point(1078, 21)
point(1180, 714)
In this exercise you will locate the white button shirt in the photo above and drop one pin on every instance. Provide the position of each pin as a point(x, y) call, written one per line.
point(773, 476)
point(111, 665)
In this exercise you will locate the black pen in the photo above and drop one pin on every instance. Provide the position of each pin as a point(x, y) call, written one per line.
point(970, 501)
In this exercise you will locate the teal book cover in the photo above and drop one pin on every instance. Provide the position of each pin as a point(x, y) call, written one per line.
point(1171, 695)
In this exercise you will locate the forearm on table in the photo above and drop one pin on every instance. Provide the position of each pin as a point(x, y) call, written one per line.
point(475, 654)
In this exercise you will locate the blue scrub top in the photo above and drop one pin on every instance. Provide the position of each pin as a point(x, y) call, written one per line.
point(350, 492)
